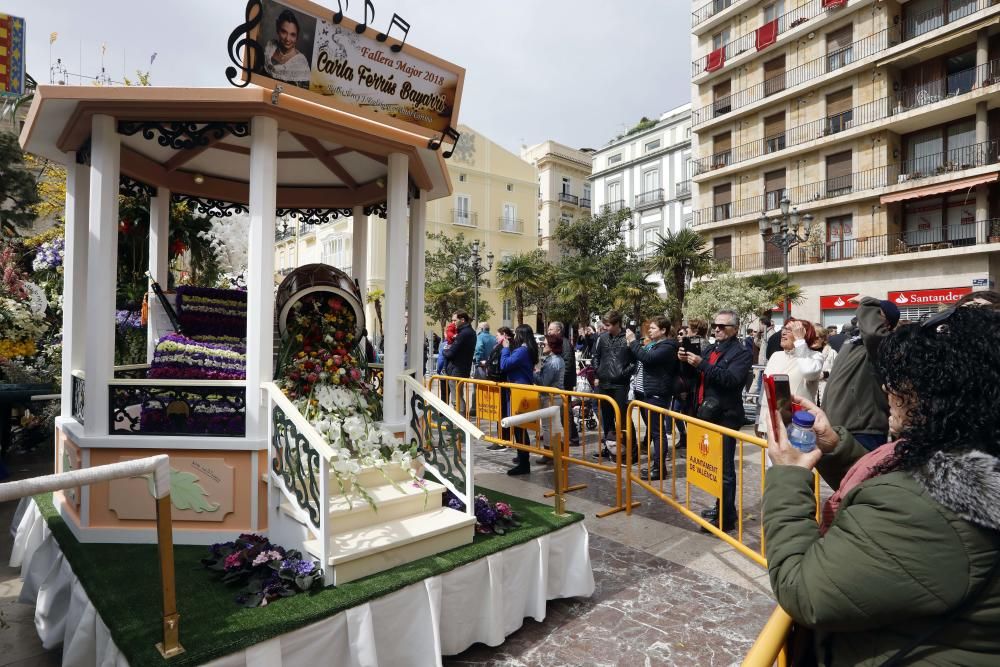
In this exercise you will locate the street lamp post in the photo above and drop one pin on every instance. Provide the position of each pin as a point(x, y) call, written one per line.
point(784, 235)
point(478, 271)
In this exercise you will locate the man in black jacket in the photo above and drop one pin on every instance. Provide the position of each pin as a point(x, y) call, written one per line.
point(459, 354)
point(613, 363)
point(724, 369)
point(569, 376)
point(655, 377)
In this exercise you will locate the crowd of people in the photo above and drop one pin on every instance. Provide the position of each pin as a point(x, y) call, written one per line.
point(902, 567)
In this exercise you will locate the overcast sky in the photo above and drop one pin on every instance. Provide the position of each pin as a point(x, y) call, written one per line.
point(576, 71)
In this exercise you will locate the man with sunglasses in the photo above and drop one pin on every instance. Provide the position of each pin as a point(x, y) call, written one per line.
point(724, 371)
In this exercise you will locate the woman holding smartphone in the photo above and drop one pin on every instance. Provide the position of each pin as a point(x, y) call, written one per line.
point(904, 565)
point(802, 364)
point(517, 361)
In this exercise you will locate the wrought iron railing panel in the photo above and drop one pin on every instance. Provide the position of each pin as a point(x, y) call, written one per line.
point(206, 410)
point(79, 394)
point(440, 442)
point(297, 463)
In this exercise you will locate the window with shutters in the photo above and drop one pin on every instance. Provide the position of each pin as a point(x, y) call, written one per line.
point(722, 249)
point(773, 11)
point(722, 198)
point(721, 97)
point(839, 110)
point(773, 257)
point(774, 76)
point(720, 39)
point(774, 189)
point(838, 174)
point(839, 237)
point(774, 132)
point(839, 48)
point(920, 16)
point(722, 145)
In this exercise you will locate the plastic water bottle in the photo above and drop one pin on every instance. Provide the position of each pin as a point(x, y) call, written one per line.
point(800, 433)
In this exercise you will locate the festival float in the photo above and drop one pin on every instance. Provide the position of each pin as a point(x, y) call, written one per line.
point(292, 461)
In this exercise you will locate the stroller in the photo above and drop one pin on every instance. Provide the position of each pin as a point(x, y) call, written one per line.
point(585, 410)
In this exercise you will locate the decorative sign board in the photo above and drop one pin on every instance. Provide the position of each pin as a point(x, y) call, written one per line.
point(201, 489)
point(300, 48)
point(11, 56)
point(704, 459)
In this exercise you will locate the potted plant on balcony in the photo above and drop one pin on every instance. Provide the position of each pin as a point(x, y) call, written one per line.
point(995, 231)
point(814, 244)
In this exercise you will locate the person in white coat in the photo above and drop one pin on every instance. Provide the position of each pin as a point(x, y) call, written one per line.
point(802, 364)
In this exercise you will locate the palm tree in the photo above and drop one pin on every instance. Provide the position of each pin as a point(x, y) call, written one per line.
point(517, 276)
point(576, 283)
point(635, 293)
point(679, 258)
point(778, 286)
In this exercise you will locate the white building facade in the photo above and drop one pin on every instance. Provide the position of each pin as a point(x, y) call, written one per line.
point(646, 170)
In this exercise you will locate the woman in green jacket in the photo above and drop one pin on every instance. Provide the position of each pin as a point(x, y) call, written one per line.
point(902, 568)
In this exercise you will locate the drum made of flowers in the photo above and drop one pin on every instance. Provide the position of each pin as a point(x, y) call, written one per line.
point(321, 286)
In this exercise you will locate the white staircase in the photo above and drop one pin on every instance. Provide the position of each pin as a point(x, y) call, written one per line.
point(407, 523)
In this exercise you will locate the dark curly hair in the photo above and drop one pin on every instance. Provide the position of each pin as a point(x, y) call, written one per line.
point(952, 371)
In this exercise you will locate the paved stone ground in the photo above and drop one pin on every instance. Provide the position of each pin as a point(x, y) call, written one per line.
point(666, 594)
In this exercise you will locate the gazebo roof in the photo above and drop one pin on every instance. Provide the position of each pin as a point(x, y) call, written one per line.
point(196, 142)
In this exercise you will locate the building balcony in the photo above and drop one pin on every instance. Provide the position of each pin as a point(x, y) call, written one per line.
point(868, 183)
point(464, 218)
point(810, 71)
point(585, 202)
point(649, 199)
point(683, 189)
point(567, 198)
point(708, 10)
point(613, 207)
point(839, 61)
point(910, 243)
point(973, 81)
point(511, 225)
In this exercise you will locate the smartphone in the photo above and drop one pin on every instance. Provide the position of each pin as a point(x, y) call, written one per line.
point(691, 346)
point(779, 400)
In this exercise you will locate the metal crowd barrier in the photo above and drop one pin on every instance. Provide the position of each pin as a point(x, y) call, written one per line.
point(699, 467)
point(482, 407)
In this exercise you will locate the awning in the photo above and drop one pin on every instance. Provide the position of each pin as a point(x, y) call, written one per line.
point(939, 188)
point(919, 52)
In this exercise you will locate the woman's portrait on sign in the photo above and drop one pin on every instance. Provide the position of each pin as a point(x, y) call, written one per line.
point(288, 38)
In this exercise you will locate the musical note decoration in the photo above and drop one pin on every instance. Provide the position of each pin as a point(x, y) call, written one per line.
point(361, 27)
point(449, 133)
point(338, 15)
point(240, 44)
point(403, 25)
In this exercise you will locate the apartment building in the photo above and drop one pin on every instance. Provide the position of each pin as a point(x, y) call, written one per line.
point(646, 170)
point(878, 117)
point(563, 188)
point(494, 200)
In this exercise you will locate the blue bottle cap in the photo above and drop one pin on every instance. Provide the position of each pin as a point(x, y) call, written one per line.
point(804, 419)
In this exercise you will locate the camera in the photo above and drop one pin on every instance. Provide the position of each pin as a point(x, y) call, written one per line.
point(633, 326)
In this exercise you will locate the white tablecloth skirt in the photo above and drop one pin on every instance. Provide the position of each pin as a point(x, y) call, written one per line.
point(483, 601)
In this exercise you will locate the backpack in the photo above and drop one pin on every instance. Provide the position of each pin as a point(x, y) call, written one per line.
point(493, 363)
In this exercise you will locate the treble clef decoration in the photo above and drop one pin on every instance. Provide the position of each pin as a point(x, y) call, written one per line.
point(240, 40)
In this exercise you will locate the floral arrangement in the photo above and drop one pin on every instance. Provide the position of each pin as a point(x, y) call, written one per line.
point(492, 518)
point(319, 372)
point(266, 570)
point(178, 357)
point(217, 414)
point(49, 255)
point(204, 311)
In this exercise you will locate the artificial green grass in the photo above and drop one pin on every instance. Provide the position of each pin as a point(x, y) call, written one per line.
point(123, 583)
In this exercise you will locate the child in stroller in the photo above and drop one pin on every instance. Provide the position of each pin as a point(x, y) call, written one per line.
point(585, 410)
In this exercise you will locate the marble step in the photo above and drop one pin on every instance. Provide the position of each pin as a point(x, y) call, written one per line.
point(375, 548)
point(390, 503)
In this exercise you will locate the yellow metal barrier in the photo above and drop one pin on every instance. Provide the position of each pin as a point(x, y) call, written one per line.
point(671, 497)
point(473, 391)
point(771, 646)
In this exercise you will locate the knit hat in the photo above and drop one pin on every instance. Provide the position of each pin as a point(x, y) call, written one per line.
point(890, 311)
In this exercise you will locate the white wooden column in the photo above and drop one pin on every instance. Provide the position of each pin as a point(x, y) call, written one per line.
point(359, 251)
point(417, 273)
point(74, 276)
point(159, 235)
point(260, 270)
point(102, 270)
point(395, 290)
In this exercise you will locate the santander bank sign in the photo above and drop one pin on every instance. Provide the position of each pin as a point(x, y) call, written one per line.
point(923, 297)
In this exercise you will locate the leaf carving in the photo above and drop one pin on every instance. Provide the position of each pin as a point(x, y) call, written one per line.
point(185, 492)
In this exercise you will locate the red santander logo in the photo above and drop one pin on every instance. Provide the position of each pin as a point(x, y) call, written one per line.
point(928, 296)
